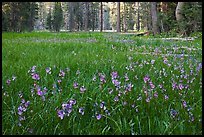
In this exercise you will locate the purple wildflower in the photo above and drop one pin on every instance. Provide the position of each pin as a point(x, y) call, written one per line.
point(152, 61)
point(165, 60)
point(110, 90)
point(114, 74)
point(136, 109)
point(19, 124)
point(48, 70)
point(21, 118)
point(30, 130)
point(81, 110)
point(181, 86)
point(156, 94)
point(75, 85)
point(59, 81)
point(166, 97)
point(40, 93)
point(116, 82)
point(146, 78)
point(101, 105)
point(23, 101)
point(129, 87)
point(116, 98)
point(174, 86)
point(62, 73)
point(160, 85)
point(102, 78)
point(27, 103)
point(82, 89)
point(126, 77)
point(8, 81)
point(33, 69)
point(98, 116)
point(64, 106)
point(20, 112)
point(148, 99)
point(169, 65)
point(152, 85)
point(124, 103)
point(184, 103)
point(35, 76)
point(72, 101)
point(173, 113)
point(107, 112)
point(133, 105)
point(60, 114)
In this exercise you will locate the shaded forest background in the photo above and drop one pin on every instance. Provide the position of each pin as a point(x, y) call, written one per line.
point(182, 18)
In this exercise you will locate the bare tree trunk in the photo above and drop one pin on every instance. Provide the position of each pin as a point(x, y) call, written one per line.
point(71, 18)
point(92, 16)
point(179, 8)
point(138, 17)
point(155, 28)
point(180, 18)
point(118, 16)
point(101, 24)
point(124, 19)
point(86, 17)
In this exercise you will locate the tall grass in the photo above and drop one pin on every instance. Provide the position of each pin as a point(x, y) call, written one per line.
point(132, 85)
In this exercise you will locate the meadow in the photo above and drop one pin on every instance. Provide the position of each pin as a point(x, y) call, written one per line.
point(100, 84)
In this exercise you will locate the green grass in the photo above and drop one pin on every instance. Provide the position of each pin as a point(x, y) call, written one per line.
point(90, 54)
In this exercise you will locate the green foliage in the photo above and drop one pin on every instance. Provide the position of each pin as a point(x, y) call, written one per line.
point(57, 16)
point(18, 16)
point(49, 21)
point(192, 21)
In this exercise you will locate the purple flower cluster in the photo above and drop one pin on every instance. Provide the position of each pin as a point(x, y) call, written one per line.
point(115, 81)
point(102, 78)
point(173, 113)
point(48, 70)
point(75, 85)
point(82, 89)
point(21, 110)
point(81, 110)
point(67, 108)
point(8, 81)
point(146, 79)
point(35, 76)
point(62, 73)
point(41, 92)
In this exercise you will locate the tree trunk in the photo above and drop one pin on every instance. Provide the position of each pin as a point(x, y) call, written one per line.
point(179, 8)
point(118, 16)
point(101, 17)
point(154, 18)
point(71, 18)
point(138, 17)
point(180, 18)
point(86, 17)
point(124, 19)
point(93, 16)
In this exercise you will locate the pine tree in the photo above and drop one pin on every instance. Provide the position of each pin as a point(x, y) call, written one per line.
point(49, 20)
point(57, 16)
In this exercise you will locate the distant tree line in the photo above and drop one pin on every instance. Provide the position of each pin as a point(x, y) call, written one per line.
point(155, 17)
